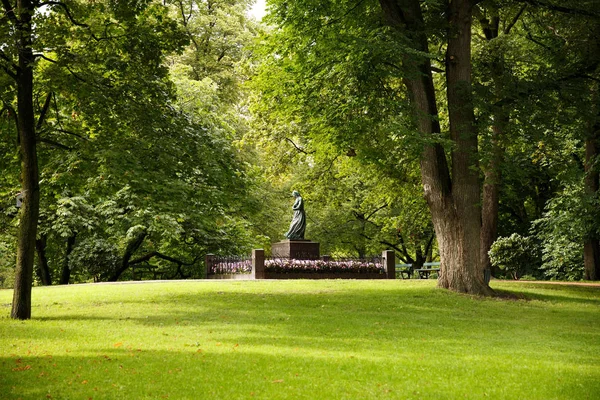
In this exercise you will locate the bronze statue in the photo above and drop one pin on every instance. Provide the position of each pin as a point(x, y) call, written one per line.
point(298, 224)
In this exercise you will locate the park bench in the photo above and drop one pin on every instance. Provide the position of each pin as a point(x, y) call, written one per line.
point(427, 269)
point(405, 269)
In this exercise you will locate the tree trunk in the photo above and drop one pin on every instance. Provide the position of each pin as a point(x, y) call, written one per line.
point(453, 202)
point(491, 194)
point(65, 274)
point(21, 307)
point(132, 246)
point(591, 247)
point(44, 270)
point(492, 174)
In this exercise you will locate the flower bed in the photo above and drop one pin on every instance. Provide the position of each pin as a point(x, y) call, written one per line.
point(224, 267)
point(336, 267)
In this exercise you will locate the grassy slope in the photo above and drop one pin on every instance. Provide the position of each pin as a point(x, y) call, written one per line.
point(301, 339)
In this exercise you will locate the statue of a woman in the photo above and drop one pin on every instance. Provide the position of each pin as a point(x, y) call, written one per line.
point(298, 224)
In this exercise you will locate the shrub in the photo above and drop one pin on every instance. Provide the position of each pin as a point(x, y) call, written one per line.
point(563, 259)
point(95, 257)
point(516, 255)
point(567, 220)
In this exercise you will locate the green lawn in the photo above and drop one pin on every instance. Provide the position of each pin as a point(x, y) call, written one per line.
point(401, 339)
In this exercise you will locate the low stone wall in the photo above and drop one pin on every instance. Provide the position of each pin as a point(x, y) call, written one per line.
point(232, 264)
point(230, 276)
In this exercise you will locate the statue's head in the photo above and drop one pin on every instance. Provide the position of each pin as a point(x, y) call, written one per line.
point(295, 193)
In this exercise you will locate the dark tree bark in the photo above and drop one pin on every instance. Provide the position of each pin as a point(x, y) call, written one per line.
point(21, 19)
point(464, 274)
point(65, 274)
point(453, 202)
point(43, 270)
point(132, 246)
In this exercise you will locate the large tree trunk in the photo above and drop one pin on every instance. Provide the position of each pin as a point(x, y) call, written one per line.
point(65, 275)
point(453, 202)
point(44, 270)
point(21, 307)
point(591, 248)
point(466, 274)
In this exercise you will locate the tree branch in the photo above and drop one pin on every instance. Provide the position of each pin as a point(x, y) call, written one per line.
point(10, 12)
point(300, 149)
point(44, 111)
point(55, 144)
point(429, 244)
point(515, 19)
point(67, 12)
point(72, 133)
point(157, 254)
point(65, 66)
point(368, 217)
point(12, 113)
point(11, 63)
point(566, 10)
point(350, 10)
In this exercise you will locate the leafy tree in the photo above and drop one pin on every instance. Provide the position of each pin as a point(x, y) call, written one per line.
point(92, 43)
point(565, 47)
point(561, 230)
point(515, 254)
point(367, 67)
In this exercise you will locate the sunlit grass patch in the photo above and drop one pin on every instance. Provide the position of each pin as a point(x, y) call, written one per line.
point(301, 339)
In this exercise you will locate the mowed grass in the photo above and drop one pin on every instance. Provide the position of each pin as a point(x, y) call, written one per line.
point(301, 340)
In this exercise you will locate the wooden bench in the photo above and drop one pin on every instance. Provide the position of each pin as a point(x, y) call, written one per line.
point(427, 270)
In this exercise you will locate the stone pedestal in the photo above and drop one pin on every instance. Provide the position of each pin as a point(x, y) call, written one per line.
point(297, 249)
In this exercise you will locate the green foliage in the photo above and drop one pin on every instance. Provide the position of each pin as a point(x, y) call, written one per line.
point(144, 113)
point(7, 262)
point(567, 219)
point(331, 119)
point(94, 257)
point(516, 255)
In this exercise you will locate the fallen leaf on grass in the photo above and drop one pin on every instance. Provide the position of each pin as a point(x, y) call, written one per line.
point(24, 368)
point(278, 381)
point(119, 344)
point(84, 382)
